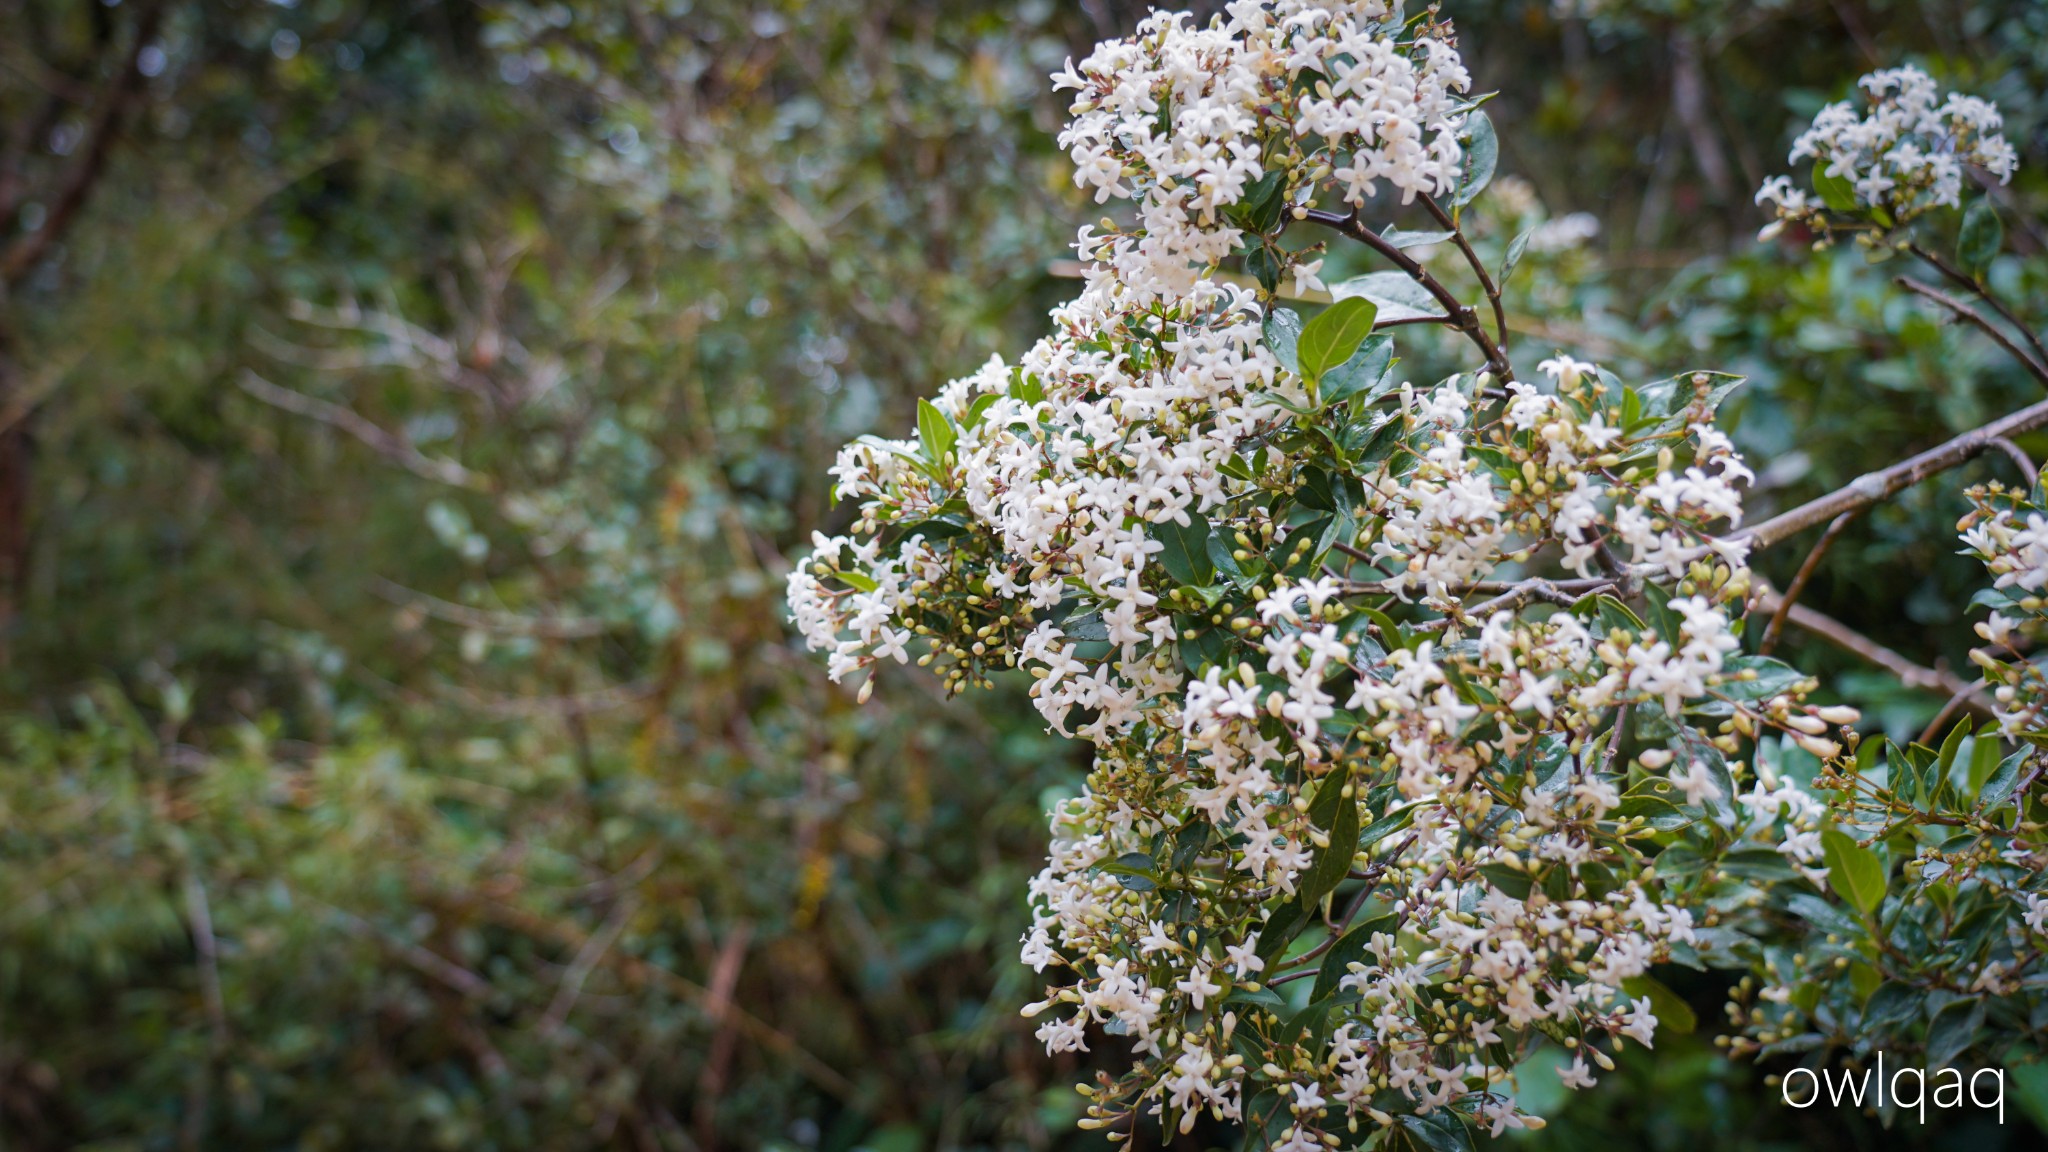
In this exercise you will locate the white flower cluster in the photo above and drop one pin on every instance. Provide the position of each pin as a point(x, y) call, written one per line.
point(2010, 535)
point(1200, 562)
point(1904, 155)
point(1186, 120)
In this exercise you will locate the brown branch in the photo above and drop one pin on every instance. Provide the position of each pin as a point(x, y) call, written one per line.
point(1460, 314)
point(1798, 584)
point(385, 443)
point(27, 251)
point(2019, 457)
point(505, 623)
point(207, 950)
point(426, 961)
point(1849, 640)
point(1486, 284)
point(635, 971)
point(1873, 487)
point(1971, 315)
point(587, 957)
point(725, 975)
point(1964, 280)
point(1958, 700)
point(1494, 587)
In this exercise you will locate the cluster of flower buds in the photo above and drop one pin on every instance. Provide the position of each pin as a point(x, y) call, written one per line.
point(1903, 156)
point(2008, 530)
point(1210, 128)
point(1376, 808)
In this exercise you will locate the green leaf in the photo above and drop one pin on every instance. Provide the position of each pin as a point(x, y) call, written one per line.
point(1263, 998)
point(1134, 870)
point(1680, 401)
point(1337, 961)
point(1674, 1015)
point(1395, 295)
point(1404, 239)
point(1281, 927)
point(1482, 153)
point(1512, 881)
point(1365, 371)
point(1440, 1131)
point(934, 431)
point(1322, 812)
point(1334, 334)
point(1265, 265)
point(1334, 862)
point(1981, 237)
point(1892, 1004)
point(1186, 554)
point(1283, 333)
point(1854, 871)
point(860, 580)
point(1999, 788)
point(1835, 191)
point(1393, 821)
point(1260, 207)
point(1516, 247)
point(1952, 1030)
point(1818, 913)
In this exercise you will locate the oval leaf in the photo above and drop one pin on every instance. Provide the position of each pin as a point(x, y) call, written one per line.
point(1853, 871)
point(1335, 333)
point(1482, 152)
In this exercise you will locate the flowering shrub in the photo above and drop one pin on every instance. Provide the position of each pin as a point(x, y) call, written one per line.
point(1421, 717)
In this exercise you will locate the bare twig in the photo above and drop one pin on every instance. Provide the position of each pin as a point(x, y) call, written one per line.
point(1798, 584)
point(725, 975)
point(1486, 284)
point(1849, 640)
point(1521, 594)
point(1496, 587)
point(2019, 457)
point(1873, 487)
point(587, 957)
point(1948, 710)
point(1964, 280)
point(28, 250)
point(385, 443)
point(1971, 315)
point(200, 912)
point(426, 961)
point(635, 971)
point(506, 623)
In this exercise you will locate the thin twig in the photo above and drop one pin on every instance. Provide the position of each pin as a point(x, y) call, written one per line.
point(587, 957)
point(1873, 487)
point(1962, 279)
point(1460, 314)
point(1486, 284)
point(1965, 312)
point(1956, 701)
point(1492, 587)
point(427, 961)
point(2019, 457)
point(385, 443)
point(636, 971)
point(208, 951)
point(1798, 584)
point(27, 251)
point(1614, 735)
point(1849, 640)
point(506, 623)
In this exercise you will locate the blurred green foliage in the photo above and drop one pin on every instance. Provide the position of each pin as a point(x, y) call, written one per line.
point(403, 746)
